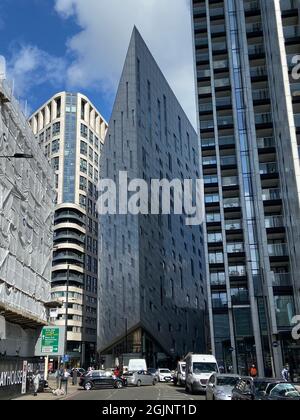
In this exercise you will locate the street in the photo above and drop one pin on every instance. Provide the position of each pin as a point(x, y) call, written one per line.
point(160, 392)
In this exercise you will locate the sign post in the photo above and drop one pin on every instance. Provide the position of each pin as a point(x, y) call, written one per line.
point(24, 377)
point(50, 342)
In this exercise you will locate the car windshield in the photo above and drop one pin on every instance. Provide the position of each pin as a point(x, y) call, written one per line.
point(227, 381)
point(283, 390)
point(165, 371)
point(204, 368)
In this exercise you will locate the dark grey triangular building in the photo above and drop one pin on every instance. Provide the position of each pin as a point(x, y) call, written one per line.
point(152, 292)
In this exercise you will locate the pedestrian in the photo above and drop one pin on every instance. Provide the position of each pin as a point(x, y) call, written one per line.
point(285, 374)
point(117, 372)
point(253, 371)
point(74, 379)
point(65, 380)
point(36, 382)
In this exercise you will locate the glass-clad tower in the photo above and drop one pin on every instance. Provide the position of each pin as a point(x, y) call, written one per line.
point(248, 107)
point(71, 132)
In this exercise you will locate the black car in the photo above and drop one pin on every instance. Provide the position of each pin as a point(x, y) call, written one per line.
point(100, 379)
point(249, 389)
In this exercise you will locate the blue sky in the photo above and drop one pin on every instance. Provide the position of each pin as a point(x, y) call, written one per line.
point(80, 45)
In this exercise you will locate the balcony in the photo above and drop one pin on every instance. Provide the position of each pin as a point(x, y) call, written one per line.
point(231, 203)
point(260, 95)
point(220, 64)
point(264, 119)
point(219, 47)
point(66, 215)
point(210, 179)
point(239, 296)
point(199, 11)
point(223, 83)
point(253, 28)
point(217, 29)
point(209, 161)
point(258, 72)
point(268, 168)
point(271, 194)
point(291, 32)
point(200, 26)
point(256, 50)
point(266, 142)
point(228, 161)
point(66, 256)
point(235, 248)
point(207, 125)
point(217, 279)
point(69, 237)
point(201, 42)
point(274, 222)
point(282, 280)
point(252, 6)
point(216, 12)
point(237, 271)
point(295, 90)
point(230, 181)
point(208, 143)
point(297, 120)
point(278, 250)
point(62, 278)
point(226, 142)
point(203, 74)
point(214, 238)
point(233, 225)
point(225, 121)
point(216, 258)
point(213, 218)
point(223, 102)
point(205, 107)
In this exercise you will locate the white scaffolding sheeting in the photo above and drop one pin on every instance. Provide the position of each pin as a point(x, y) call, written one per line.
point(26, 214)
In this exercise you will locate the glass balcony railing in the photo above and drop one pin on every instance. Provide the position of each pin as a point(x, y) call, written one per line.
point(217, 258)
point(278, 250)
point(259, 71)
point(210, 180)
point(271, 194)
point(265, 142)
point(202, 57)
point(295, 89)
point(256, 49)
point(213, 238)
point(274, 222)
point(203, 73)
point(239, 296)
point(216, 11)
point(219, 46)
point(201, 42)
point(208, 142)
point(226, 120)
point(291, 31)
point(235, 248)
point(231, 203)
point(200, 26)
point(230, 181)
point(199, 10)
point(224, 101)
point(282, 280)
point(213, 217)
point(289, 4)
point(233, 225)
point(205, 107)
point(297, 120)
point(260, 94)
point(228, 161)
point(209, 161)
point(224, 82)
point(221, 64)
point(268, 168)
point(251, 6)
point(217, 279)
point(226, 141)
point(237, 271)
point(265, 118)
point(217, 29)
point(207, 125)
point(254, 27)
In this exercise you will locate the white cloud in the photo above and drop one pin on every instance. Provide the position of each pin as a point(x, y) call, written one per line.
point(29, 66)
point(99, 48)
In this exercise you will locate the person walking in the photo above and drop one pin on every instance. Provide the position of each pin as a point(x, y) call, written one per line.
point(285, 374)
point(36, 382)
point(74, 378)
point(65, 380)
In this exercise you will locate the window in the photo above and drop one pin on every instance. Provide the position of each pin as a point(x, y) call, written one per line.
point(83, 183)
point(55, 146)
point(91, 137)
point(55, 163)
point(91, 153)
point(83, 166)
point(83, 148)
point(84, 131)
point(82, 201)
point(90, 170)
point(56, 129)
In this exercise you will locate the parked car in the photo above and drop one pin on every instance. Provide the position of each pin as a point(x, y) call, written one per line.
point(249, 389)
point(199, 368)
point(152, 371)
point(100, 379)
point(219, 387)
point(179, 377)
point(139, 378)
point(164, 375)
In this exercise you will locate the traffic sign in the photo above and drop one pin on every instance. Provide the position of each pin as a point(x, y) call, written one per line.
point(50, 340)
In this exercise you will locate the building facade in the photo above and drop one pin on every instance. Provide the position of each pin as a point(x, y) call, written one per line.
point(71, 132)
point(248, 104)
point(26, 216)
point(152, 290)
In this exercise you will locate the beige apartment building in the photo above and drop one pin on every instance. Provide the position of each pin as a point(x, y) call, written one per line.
point(71, 132)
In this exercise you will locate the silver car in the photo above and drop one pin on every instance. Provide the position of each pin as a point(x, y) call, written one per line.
point(139, 378)
point(219, 387)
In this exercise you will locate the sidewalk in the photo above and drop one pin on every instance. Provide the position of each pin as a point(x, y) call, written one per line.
point(47, 395)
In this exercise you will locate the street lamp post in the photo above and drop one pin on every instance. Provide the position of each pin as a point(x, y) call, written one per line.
point(66, 316)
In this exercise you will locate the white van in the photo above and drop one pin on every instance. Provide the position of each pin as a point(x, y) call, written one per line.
point(199, 368)
point(180, 374)
point(135, 365)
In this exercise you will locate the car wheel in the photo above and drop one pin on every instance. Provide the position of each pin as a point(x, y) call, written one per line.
point(118, 385)
point(154, 382)
point(88, 386)
point(138, 384)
